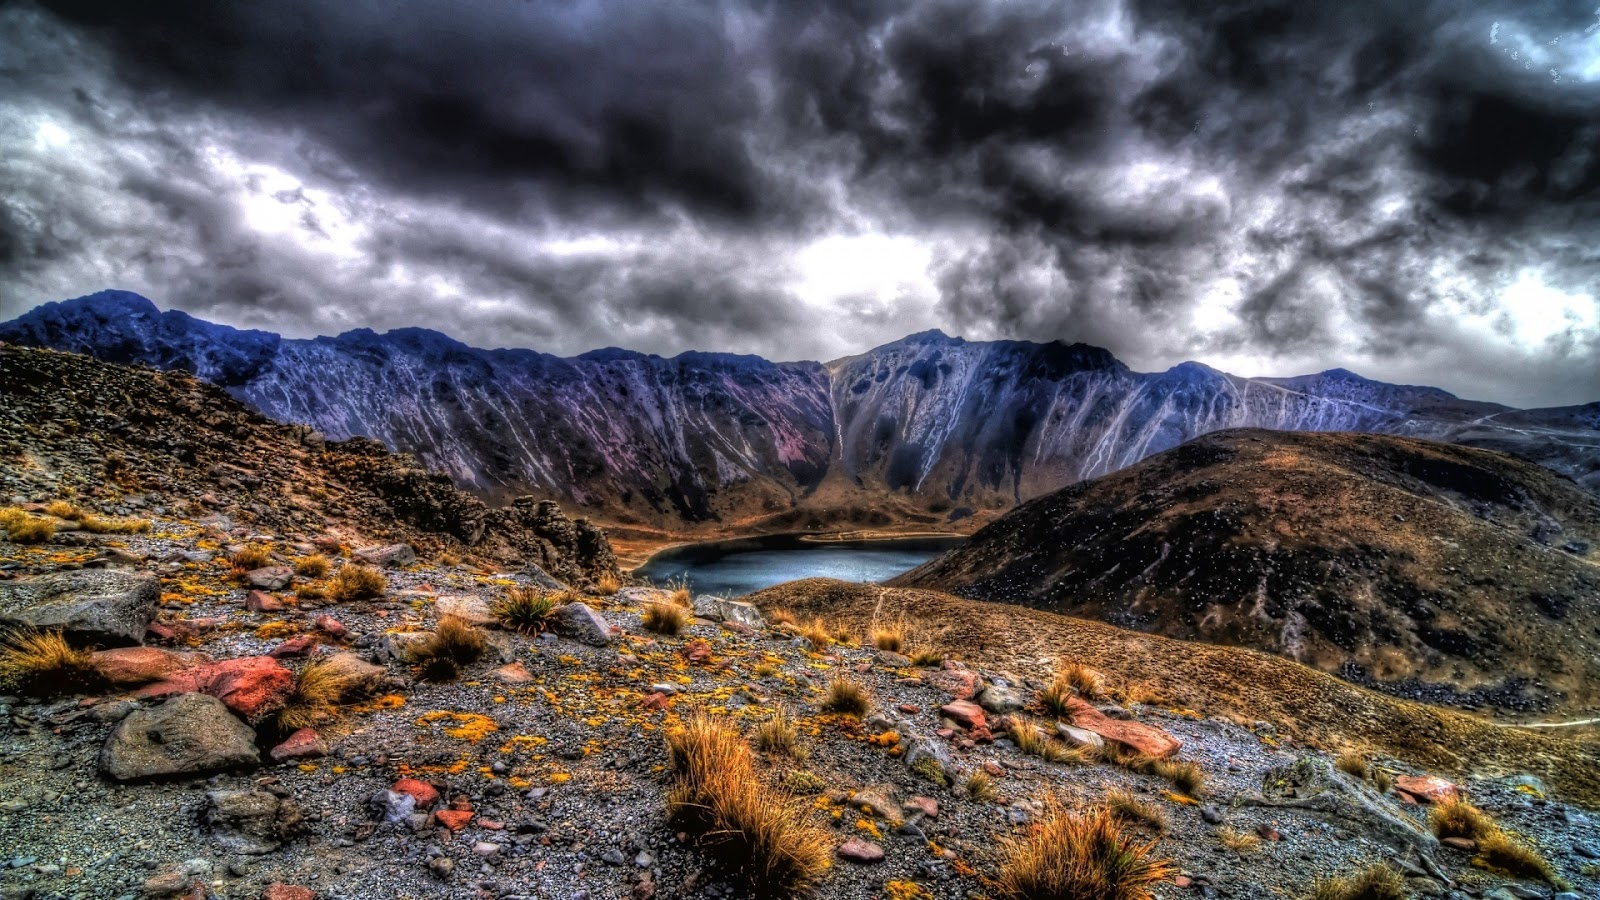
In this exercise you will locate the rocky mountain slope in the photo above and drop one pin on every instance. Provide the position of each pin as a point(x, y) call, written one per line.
point(141, 440)
point(1448, 573)
point(924, 431)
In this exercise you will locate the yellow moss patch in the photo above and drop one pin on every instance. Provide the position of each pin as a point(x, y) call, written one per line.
point(470, 727)
point(906, 890)
point(273, 630)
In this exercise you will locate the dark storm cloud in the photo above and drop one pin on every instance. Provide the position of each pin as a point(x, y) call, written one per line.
point(1271, 183)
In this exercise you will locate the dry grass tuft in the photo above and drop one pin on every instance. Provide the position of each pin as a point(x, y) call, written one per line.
point(62, 509)
point(778, 735)
point(1460, 819)
point(780, 617)
point(816, 631)
point(525, 609)
point(980, 787)
point(1239, 841)
point(745, 825)
point(1379, 882)
point(43, 661)
point(848, 696)
point(1133, 811)
point(1089, 683)
point(607, 584)
point(1353, 764)
point(842, 634)
point(353, 582)
point(311, 591)
point(681, 594)
point(1034, 740)
point(1500, 852)
point(453, 644)
point(1185, 776)
point(889, 637)
point(1079, 856)
point(926, 656)
point(318, 690)
point(22, 528)
point(313, 566)
point(664, 617)
point(250, 558)
point(110, 525)
point(1055, 696)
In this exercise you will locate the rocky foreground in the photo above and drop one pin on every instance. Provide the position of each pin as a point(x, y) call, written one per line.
point(539, 768)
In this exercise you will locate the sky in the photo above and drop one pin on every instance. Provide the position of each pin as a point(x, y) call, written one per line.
point(1409, 190)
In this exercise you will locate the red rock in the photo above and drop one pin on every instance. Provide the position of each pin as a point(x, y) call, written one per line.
point(161, 631)
point(513, 673)
point(1268, 833)
point(261, 601)
point(994, 768)
point(253, 687)
point(965, 713)
point(1466, 845)
point(491, 825)
point(332, 627)
point(857, 850)
point(909, 708)
point(696, 652)
point(1182, 881)
point(945, 732)
point(424, 792)
point(928, 805)
point(655, 702)
point(1428, 788)
point(131, 666)
point(453, 819)
point(1142, 738)
point(303, 744)
point(280, 891)
point(958, 683)
point(299, 645)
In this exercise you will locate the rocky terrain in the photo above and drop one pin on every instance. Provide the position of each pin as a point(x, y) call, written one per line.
point(929, 431)
point(1450, 574)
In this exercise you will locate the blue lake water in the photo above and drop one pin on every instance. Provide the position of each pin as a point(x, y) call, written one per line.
point(734, 568)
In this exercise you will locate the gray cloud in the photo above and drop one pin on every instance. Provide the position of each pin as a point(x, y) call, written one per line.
point(1264, 185)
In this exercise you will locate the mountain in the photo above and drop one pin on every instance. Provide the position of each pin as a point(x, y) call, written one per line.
point(925, 431)
point(1446, 573)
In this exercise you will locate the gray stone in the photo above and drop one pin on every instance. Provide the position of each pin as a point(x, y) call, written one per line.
point(388, 555)
point(719, 610)
point(188, 735)
point(539, 578)
point(467, 607)
point(1000, 700)
point(1080, 737)
point(105, 607)
point(891, 659)
point(392, 806)
point(582, 624)
point(251, 822)
point(271, 578)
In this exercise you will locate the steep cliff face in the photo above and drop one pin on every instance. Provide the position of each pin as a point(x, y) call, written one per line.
point(938, 426)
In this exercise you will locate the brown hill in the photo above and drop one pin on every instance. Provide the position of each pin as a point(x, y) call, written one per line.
point(1221, 681)
point(1430, 570)
point(71, 425)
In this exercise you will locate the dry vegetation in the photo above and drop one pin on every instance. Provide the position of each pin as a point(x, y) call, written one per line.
point(318, 691)
point(313, 566)
point(22, 528)
point(891, 638)
point(778, 736)
point(607, 584)
point(846, 696)
point(250, 558)
point(1031, 738)
point(751, 829)
point(454, 643)
point(980, 787)
point(1133, 811)
point(526, 610)
point(355, 582)
point(1376, 883)
point(664, 617)
point(1079, 856)
point(43, 661)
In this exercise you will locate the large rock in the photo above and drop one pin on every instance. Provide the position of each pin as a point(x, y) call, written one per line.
point(579, 622)
point(133, 666)
point(104, 607)
point(192, 734)
point(254, 687)
point(468, 607)
point(1000, 700)
point(389, 555)
point(251, 822)
point(358, 676)
point(541, 579)
point(270, 578)
point(1136, 736)
point(719, 610)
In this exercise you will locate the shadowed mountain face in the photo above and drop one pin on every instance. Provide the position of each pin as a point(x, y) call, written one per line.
point(940, 427)
point(1443, 572)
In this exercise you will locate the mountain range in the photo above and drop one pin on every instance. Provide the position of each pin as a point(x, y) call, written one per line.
point(928, 430)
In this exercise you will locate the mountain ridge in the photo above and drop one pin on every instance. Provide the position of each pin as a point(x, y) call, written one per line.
point(929, 430)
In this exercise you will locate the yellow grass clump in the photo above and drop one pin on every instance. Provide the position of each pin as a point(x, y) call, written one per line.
point(527, 610)
point(1379, 882)
point(314, 566)
point(778, 735)
point(318, 691)
point(891, 638)
point(354, 582)
point(607, 584)
point(22, 528)
point(250, 558)
point(847, 696)
point(453, 644)
point(44, 661)
point(664, 617)
point(1079, 856)
point(748, 827)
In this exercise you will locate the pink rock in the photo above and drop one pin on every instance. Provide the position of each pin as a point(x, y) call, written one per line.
point(1428, 788)
point(928, 805)
point(655, 702)
point(280, 891)
point(909, 708)
point(299, 645)
point(512, 673)
point(857, 850)
point(332, 627)
point(253, 687)
point(303, 744)
point(958, 683)
point(261, 601)
point(132, 666)
point(1141, 738)
point(964, 713)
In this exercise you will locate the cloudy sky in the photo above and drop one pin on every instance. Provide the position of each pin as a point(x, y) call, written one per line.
point(1407, 189)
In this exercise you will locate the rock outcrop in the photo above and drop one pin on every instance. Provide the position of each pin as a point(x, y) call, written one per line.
point(191, 734)
point(103, 607)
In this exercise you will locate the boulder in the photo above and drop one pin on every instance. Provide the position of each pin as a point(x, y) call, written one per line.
point(359, 676)
point(190, 734)
point(253, 687)
point(251, 822)
point(857, 850)
point(582, 624)
point(1136, 736)
point(261, 601)
point(541, 579)
point(270, 578)
point(103, 607)
point(467, 607)
point(1000, 700)
point(1080, 737)
point(392, 806)
point(1427, 788)
point(719, 610)
point(303, 744)
point(424, 793)
point(964, 713)
point(388, 555)
point(133, 666)
point(960, 684)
